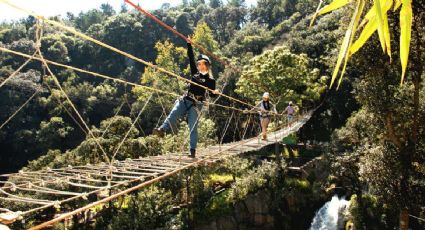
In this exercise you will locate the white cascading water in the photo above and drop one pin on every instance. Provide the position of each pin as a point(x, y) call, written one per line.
point(330, 215)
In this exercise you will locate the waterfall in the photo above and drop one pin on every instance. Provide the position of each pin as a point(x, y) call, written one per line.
point(330, 215)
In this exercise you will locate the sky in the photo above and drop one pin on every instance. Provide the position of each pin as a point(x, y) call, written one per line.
point(60, 7)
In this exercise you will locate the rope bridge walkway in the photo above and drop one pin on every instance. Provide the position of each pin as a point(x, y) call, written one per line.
point(76, 189)
point(102, 183)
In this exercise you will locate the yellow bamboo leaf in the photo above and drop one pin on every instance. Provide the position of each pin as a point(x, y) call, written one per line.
point(342, 53)
point(315, 14)
point(370, 14)
point(386, 7)
point(380, 20)
point(336, 4)
point(367, 32)
point(397, 4)
point(372, 25)
point(348, 38)
point(355, 22)
point(406, 18)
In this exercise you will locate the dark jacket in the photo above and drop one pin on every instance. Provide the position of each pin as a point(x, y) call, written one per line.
point(204, 80)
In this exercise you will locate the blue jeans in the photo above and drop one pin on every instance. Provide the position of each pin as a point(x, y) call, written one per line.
point(181, 107)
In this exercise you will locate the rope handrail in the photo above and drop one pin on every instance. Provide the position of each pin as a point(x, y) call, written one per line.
point(121, 81)
point(130, 56)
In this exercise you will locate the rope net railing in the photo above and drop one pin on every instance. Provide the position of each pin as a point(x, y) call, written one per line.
point(93, 185)
point(128, 55)
point(29, 192)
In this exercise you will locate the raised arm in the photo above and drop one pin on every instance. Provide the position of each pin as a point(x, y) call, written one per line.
point(192, 63)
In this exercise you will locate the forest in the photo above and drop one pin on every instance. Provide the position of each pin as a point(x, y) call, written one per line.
point(368, 127)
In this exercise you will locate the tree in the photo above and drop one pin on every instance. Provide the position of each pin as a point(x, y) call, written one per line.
point(253, 37)
point(107, 9)
point(183, 24)
point(384, 132)
point(124, 8)
point(203, 35)
point(236, 3)
point(13, 33)
point(85, 20)
point(185, 3)
point(172, 59)
point(215, 3)
point(53, 133)
point(196, 3)
point(148, 209)
point(54, 48)
point(272, 12)
point(225, 21)
point(381, 20)
point(286, 76)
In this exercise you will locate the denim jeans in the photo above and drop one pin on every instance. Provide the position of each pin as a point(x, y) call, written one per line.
point(181, 107)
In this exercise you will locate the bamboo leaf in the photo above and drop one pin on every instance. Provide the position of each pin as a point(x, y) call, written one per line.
point(371, 26)
point(343, 52)
point(315, 14)
point(355, 22)
point(386, 7)
point(380, 20)
point(336, 4)
point(367, 32)
point(406, 18)
point(397, 4)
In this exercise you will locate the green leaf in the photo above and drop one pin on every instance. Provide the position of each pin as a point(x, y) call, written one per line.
point(406, 18)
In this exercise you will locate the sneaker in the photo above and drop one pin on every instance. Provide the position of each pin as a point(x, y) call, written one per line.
point(192, 153)
point(158, 132)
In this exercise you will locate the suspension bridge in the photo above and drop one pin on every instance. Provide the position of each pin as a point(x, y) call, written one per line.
point(87, 186)
point(54, 188)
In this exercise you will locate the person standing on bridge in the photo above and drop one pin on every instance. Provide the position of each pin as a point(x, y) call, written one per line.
point(290, 113)
point(191, 102)
point(265, 109)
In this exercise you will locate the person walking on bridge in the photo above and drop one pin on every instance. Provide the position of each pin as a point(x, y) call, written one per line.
point(265, 109)
point(191, 102)
point(290, 111)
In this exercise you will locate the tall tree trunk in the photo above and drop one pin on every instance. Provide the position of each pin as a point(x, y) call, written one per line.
point(409, 152)
point(404, 219)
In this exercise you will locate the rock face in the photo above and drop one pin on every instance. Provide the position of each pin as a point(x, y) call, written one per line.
point(255, 211)
point(252, 213)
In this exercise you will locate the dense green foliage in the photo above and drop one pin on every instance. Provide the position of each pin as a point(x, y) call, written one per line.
point(383, 142)
point(45, 125)
point(377, 152)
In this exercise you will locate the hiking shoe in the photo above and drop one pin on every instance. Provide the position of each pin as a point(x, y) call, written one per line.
point(192, 153)
point(158, 132)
